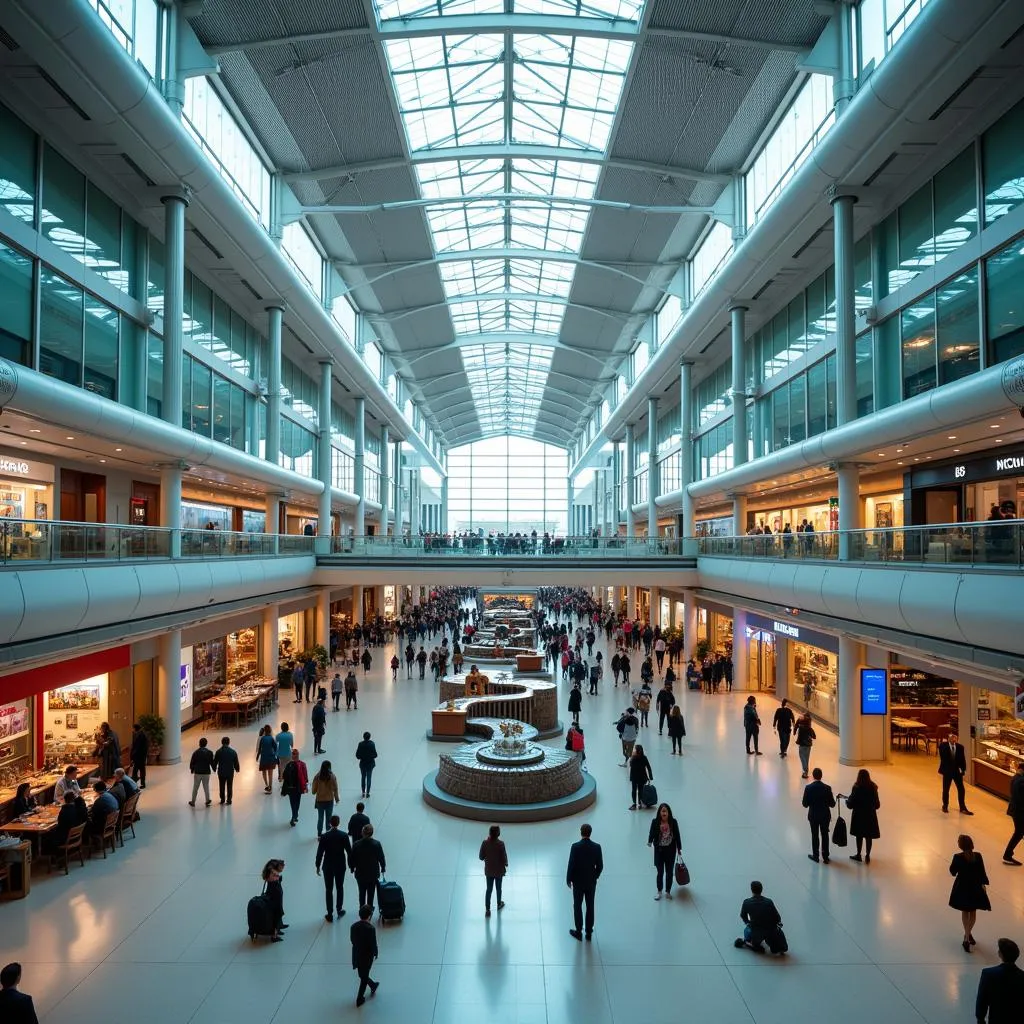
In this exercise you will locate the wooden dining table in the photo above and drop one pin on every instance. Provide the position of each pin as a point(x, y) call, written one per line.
point(910, 729)
point(237, 706)
point(40, 822)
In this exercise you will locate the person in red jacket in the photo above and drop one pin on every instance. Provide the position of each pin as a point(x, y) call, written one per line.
point(295, 782)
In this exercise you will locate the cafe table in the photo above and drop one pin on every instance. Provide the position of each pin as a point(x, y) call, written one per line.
point(910, 729)
point(40, 822)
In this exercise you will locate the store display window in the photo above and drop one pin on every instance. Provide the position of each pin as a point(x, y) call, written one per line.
point(15, 741)
point(71, 720)
point(814, 680)
point(199, 516)
point(207, 670)
point(26, 501)
point(242, 656)
point(291, 635)
point(999, 742)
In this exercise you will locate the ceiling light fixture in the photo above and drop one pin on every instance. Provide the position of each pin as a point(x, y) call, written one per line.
point(35, 430)
point(69, 438)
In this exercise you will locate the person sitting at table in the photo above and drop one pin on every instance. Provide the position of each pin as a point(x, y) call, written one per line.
point(72, 813)
point(123, 786)
point(104, 803)
point(67, 783)
point(23, 800)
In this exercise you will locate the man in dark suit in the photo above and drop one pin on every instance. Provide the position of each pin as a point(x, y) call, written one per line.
point(225, 764)
point(953, 768)
point(15, 1007)
point(1015, 809)
point(367, 863)
point(819, 801)
point(364, 952)
point(1001, 988)
point(139, 755)
point(332, 853)
point(585, 866)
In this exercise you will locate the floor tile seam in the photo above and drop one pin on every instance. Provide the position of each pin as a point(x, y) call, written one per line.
point(95, 966)
point(202, 1002)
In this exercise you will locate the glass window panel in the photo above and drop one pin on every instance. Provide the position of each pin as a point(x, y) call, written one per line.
point(238, 431)
point(871, 34)
point(958, 327)
point(797, 410)
point(917, 245)
point(780, 418)
point(864, 375)
point(154, 375)
point(103, 238)
point(816, 399)
point(917, 328)
point(63, 204)
point(202, 398)
point(60, 328)
point(155, 278)
point(298, 246)
point(221, 410)
point(711, 255)
point(1002, 159)
point(15, 305)
point(956, 204)
point(1004, 311)
point(101, 343)
point(890, 274)
point(131, 360)
point(17, 167)
point(830, 391)
point(186, 391)
point(862, 274)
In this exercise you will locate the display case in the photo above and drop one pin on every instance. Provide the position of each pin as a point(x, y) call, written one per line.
point(815, 673)
point(997, 752)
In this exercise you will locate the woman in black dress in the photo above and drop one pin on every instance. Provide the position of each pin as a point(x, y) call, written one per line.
point(968, 893)
point(863, 803)
point(272, 872)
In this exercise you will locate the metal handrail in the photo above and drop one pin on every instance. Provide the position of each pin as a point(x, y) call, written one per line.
point(438, 546)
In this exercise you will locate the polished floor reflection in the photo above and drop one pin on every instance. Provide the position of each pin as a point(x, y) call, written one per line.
point(157, 932)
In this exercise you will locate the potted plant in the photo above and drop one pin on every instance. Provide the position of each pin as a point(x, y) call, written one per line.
point(700, 652)
point(155, 730)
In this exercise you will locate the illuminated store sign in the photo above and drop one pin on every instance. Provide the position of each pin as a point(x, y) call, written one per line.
point(15, 467)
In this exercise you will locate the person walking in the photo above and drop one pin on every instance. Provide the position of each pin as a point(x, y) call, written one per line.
point(294, 783)
point(664, 702)
point(640, 773)
point(968, 894)
point(863, 804)
point(298, 675)
point(138, 755)
point(761, 922)
point(664, 836)
point(351, 691)
point(201, 767)
point(421, 661)
point(1001, 988)
point(595, 675)
point(676, 729)
point(285, 740)
point(367, 660)
point(575, 703)
point(751, 724)
point(616, 664)
point(576, 742)
point(273, 874)
point(1015, 809)
point(367, 864)
point(356, 823)
point(364, 951)
point(266, 757)
point(336, 690)
point(659, 652)
point(642, 700)
point(805, 737)
point(495, 858)
point(15, 1007)
point(819, 801)
point(782, 723)
point(953, 768)
point(332, 853)
point(624, 668)
point(628, 728)
point(366, 755)
point(396, 664)
point(318, 721)
point(325, 795)
point(584, 869)
point(410, 658)
point(225, 763)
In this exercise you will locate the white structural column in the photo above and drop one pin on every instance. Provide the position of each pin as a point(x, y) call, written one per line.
point(850, 517)
point(168, 693)
point(654, 600)
point(740, 652)
point(739, 514)
point(595, 484)
point(170, 503)
point(739, 386)
point(686, 454)
point(846, 337)
point(630, 474)
point(631, 602)
point(852, 656)
point(323, 618)
point(652, 467)
point(385, 479)
point(443, 528)
point(174, 303)
point(359, 469)
point(570, 528)
point(272, 445)
point(689, 624)
point(272, 519)
point(325, 462)
point(357, 605)
point(397, 473)
point(269, 640)
point(616, 488)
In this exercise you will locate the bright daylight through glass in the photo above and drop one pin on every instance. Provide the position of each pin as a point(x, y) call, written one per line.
point(513, 91)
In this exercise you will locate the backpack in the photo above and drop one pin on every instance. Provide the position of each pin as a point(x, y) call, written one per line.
point(576, 738)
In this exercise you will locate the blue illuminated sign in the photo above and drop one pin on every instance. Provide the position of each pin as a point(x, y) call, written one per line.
point(874, 691)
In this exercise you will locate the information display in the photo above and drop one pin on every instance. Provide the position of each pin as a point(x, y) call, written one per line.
point(874, 691)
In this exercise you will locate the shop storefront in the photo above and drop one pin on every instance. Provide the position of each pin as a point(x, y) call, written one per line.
point(761, 653)
point(972, 490)
point(923, 697)
point(210, 666)
point(26, 493)
point(291, 634)
point(998, 719)
point(714, 628)
point(202, 515)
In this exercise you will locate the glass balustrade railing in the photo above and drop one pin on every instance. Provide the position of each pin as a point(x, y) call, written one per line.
point(994, 544)
point(42, 540)
point(505, 547)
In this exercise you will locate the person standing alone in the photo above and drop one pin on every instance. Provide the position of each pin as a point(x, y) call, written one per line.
point(819, 801)
point(295, 782)
point(751, 724)
point(139, 755)
point(364, 952)
point(1001, 988)
point(318, 721)
point(953, 768)
point(495, 858)
point(366, 755)
point(584, 869)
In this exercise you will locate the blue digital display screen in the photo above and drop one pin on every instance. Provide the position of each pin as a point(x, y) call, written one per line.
point(874, 691)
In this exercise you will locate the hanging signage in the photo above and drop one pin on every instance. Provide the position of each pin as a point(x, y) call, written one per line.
point(791, 631)
point(186, 678)
point(874, 691)
point(904, 678)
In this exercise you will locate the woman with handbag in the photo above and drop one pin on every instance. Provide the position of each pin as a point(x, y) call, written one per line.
point(266, 757)
point(668, 844)
point(863, 804)
point(325, 796)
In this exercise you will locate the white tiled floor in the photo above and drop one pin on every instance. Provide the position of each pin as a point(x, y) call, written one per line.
point(157, 932)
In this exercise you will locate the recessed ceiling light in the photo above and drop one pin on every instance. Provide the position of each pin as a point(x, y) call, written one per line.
point(952, 437)
point(993, 426)
point(881, 455)
point(900, 463)
point(956, 449)
point(999, 440)
point(23, 442)
point(69, 438)
point(35, 430)
point(917, 460)
point(118, 449)
point(103, 460)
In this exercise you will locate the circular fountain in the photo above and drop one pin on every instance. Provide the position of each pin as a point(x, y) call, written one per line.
point(509, 778)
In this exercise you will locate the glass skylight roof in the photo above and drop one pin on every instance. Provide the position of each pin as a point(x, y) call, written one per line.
point(451, 92)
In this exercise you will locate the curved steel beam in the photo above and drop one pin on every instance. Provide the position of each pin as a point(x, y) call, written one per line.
point(519, 198)
point(401, 314)
point(501, 338)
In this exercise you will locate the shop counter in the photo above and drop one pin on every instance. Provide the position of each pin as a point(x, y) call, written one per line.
point(448, 723)
point(991, 777)
point(529, 662)
point(18, 860)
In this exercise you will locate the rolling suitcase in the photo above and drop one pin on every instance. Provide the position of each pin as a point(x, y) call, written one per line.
point(260, 916)
point(391, 901)
point(648, 795)
point(776, 941)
